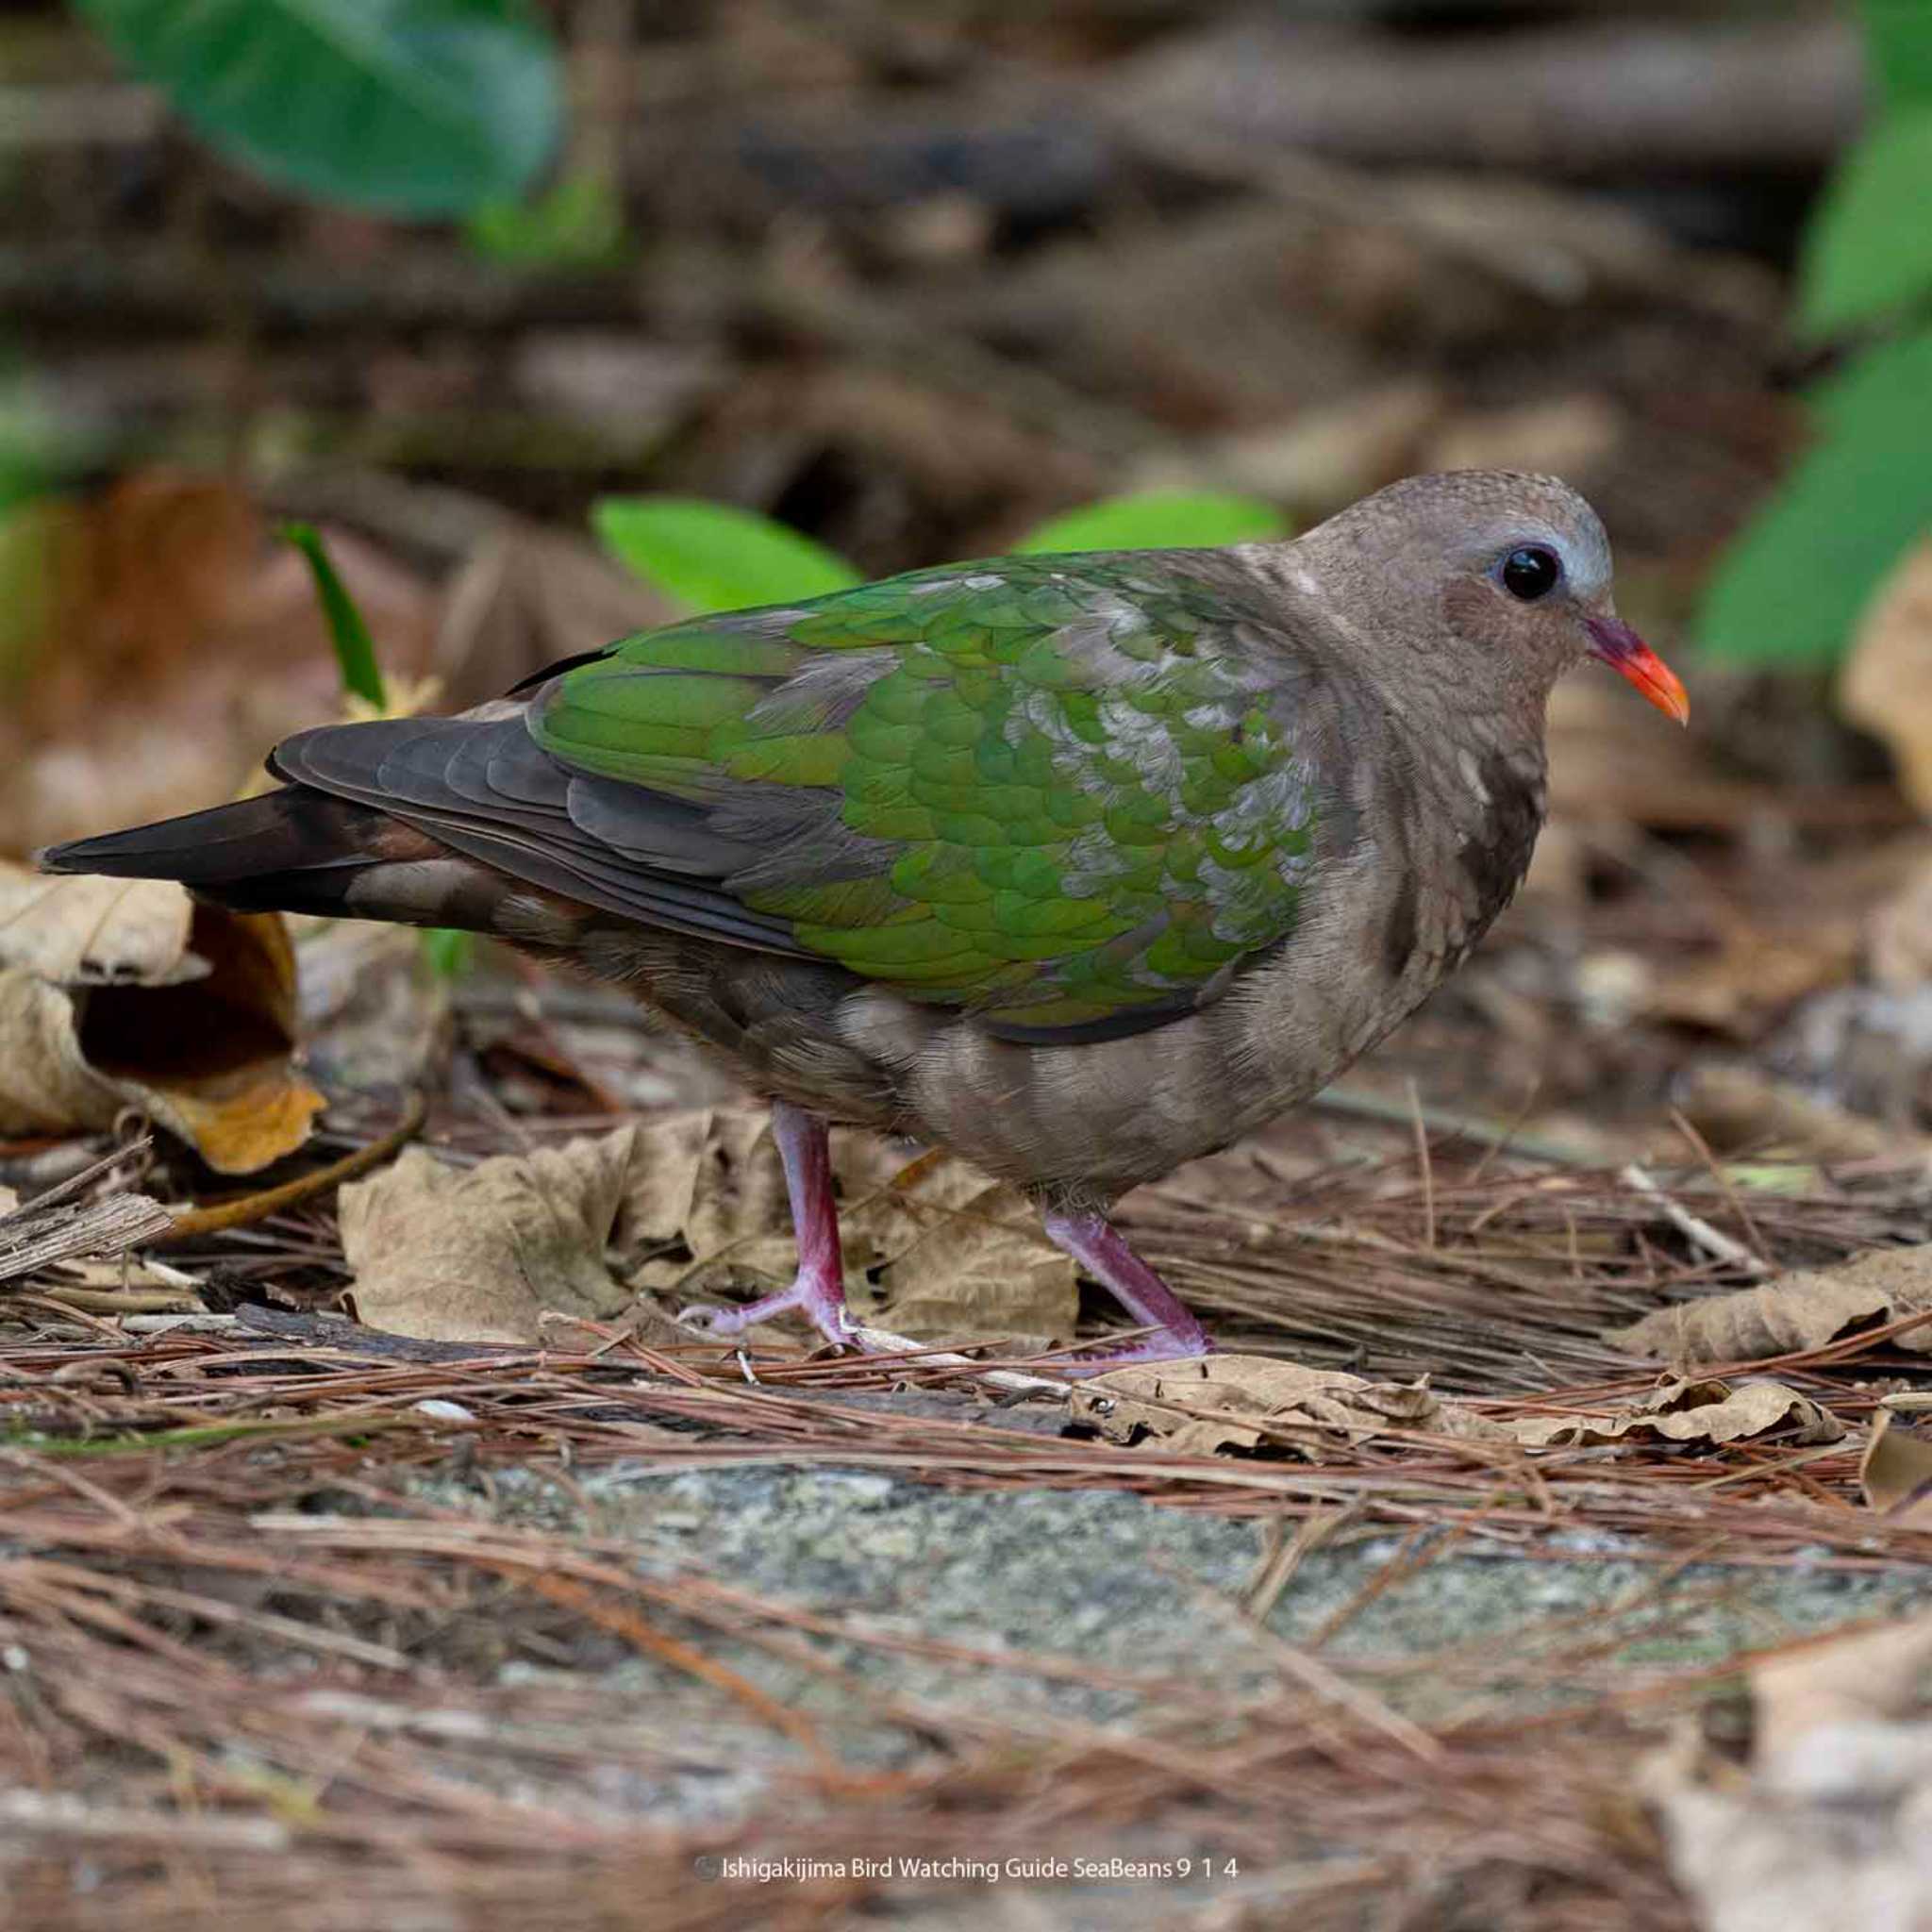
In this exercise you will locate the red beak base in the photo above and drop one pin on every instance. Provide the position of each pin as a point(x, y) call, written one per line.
point(1612, 640)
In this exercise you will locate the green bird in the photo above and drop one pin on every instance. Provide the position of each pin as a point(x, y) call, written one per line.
point(1081, 866)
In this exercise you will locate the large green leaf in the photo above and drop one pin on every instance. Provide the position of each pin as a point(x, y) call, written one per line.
point(1898, 38)
point(715, 557)
point(1869, 247)
point(1159, 518)
point(415, 107)
point(1791, 589)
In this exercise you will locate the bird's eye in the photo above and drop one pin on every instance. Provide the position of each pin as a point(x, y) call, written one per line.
point(1531, 571)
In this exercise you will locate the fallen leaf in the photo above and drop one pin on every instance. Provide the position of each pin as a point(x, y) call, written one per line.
point(1738, 1109)
point(481, 1253)
point(1895, 1473)
point(1886, 684)
point(118, 994)
point(168, 639)
point(1678, 1411)
point(1248, 1401)
point(955, 1255)
point(526, 597)
point(1754, 977)
point(1792, 1315)
point(1831, 1824)
point(1899, 935)
point(681, 1205)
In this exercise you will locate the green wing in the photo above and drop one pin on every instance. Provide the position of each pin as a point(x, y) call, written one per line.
point(1054, 789)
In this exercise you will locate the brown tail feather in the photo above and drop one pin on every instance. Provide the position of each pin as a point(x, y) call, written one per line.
point(299, 850)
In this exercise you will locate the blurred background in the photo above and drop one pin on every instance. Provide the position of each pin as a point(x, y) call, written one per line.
point(471, 286)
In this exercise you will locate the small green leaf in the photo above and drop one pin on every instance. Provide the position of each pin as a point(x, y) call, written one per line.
point(415, 107)
point(1869, 247)
point(715, 557)
point(578, 224)
point(354, 650)
point(1793, 587)
point(1898, 38)
point(451, 952)
point(1158, 519)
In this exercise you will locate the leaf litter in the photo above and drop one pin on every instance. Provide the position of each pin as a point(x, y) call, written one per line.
point(230, 1569)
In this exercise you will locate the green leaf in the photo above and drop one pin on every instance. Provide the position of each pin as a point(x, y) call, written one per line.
point(715, 557)
point(580, 222)
point(354, 650)
point(451, 952)
point(1793, 587)
point(1160, 519)
point(1898, 36)
point(417, 107)
point(1869, 247)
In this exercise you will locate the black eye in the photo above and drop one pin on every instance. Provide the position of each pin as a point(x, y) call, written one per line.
point(1531, 571)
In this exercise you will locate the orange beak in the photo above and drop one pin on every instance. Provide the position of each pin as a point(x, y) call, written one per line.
point(1623, 651)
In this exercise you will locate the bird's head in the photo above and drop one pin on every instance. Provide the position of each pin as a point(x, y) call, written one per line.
point(1501, 578)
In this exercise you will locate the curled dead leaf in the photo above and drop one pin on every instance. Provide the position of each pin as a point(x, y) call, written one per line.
point(679, 1205)
point(1677, 1411)
point(1895, 1473)
point(1792, 1315)
point(1248, 1401)
point(954, 1255)
point(118, 994)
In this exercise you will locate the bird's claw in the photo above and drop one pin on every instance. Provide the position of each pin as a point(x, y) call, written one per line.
point(823, 1303)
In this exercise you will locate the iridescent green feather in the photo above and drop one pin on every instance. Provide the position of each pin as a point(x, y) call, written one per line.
point(1069, 803)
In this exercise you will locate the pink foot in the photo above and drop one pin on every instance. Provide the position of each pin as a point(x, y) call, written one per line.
point(822, 1302)
point(818, 1290)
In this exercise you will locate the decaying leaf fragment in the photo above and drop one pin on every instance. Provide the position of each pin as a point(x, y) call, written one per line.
point(1895, 1473)
point(118, 994)
point(1245, 1402)
point(1803, 1310)
point(1832, 1823)
point(1678, 1411)
point(680, 1205)
point(955, 1255)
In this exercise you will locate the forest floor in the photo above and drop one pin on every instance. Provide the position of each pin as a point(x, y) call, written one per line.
point(375, 1551)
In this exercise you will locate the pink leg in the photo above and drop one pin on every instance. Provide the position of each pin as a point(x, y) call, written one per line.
point(818, 1289)
point(1098, 1246)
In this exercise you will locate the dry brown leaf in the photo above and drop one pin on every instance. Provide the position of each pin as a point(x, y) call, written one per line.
point(481, 1255)
point(1887, 682)
point(1753, 977)
point(118, 994)
point(1899, 935)
point(1245, 1402)
point(1739, 1110)
point(1794, 1313)
point(1832, 1825)
point(1895, 1473)
point(1676, 1410)
point(166, 574)
point(955, 1255)
point(528, 597)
